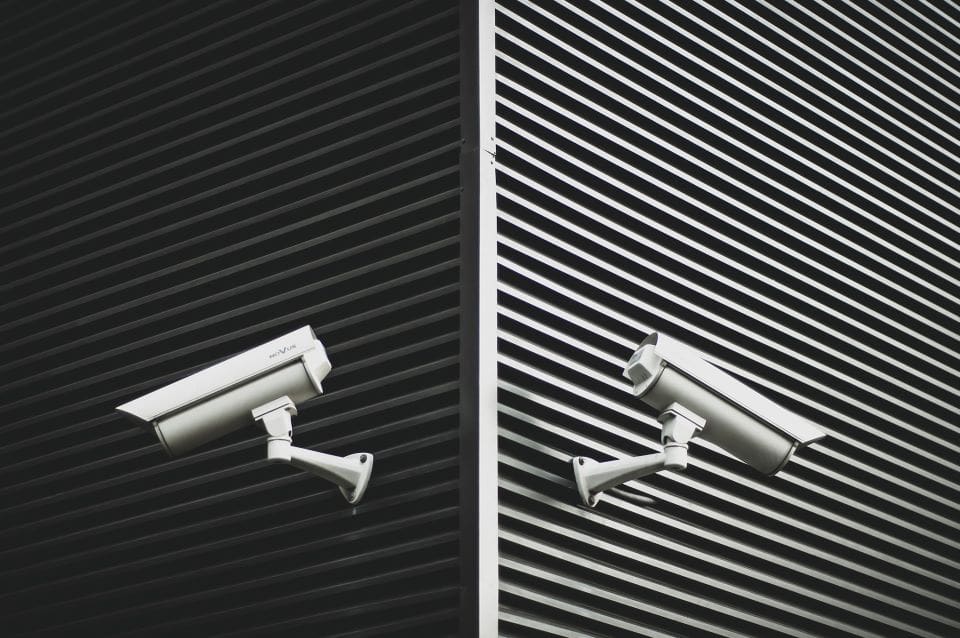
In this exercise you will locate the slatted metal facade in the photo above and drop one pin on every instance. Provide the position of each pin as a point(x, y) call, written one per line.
point(182, 181)
point(776, 184)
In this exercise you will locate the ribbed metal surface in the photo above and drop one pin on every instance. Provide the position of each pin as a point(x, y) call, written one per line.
point(776, 184)
point(182, 181)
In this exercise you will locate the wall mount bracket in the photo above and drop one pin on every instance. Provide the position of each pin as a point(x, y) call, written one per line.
point(351, 473)
point(678, 424)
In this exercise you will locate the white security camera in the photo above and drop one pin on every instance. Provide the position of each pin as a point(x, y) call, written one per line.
point(695, 398)
point(263, 384)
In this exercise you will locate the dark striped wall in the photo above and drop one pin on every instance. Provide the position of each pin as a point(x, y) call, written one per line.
point(777, 185)
point(179, 182)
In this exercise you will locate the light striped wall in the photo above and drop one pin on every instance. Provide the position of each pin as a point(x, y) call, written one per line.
point(776, 184)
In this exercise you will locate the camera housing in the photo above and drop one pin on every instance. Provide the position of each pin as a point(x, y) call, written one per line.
point(262, 385)
point(218, 400)
point(695, 398)
point(739, 419)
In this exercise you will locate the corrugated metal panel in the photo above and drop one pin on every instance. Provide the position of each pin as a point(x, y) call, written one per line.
point(776, 184)
point(182, 181)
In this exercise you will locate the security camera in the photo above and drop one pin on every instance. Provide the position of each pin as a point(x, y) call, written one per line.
point(695, 398)
point(262, 385)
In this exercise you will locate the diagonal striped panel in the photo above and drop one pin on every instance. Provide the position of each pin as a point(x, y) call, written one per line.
point(180, 182)
point(776, 184)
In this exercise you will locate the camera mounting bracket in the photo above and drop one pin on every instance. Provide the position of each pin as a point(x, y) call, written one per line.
point(351, 473)
point(678, 426)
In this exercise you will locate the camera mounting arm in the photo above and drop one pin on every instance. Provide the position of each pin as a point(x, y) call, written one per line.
point(678, 424)
point(351, 473)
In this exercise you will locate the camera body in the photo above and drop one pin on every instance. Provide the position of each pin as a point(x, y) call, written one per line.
point(737, 418)
point(696, 399)
point(218, 400)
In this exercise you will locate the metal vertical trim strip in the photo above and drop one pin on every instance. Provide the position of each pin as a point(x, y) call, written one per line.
point(478, 404)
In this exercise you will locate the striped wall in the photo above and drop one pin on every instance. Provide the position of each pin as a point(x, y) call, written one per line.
point(182, 181)
point(776, 184)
